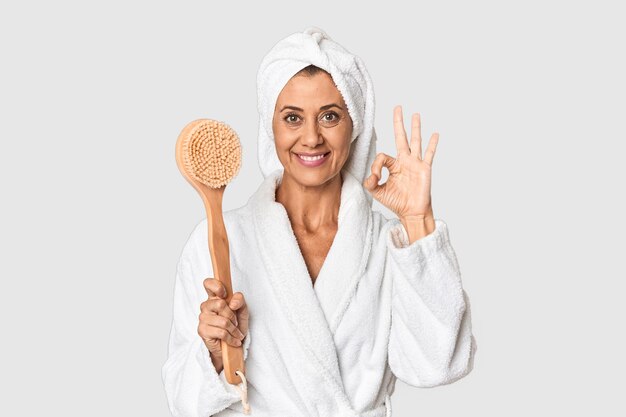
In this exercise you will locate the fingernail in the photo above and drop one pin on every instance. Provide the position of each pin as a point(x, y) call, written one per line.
point(238, 342)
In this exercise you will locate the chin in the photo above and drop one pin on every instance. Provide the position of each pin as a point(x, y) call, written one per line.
point(311, 178)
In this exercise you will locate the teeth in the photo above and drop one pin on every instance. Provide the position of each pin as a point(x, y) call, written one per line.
point(311, 158)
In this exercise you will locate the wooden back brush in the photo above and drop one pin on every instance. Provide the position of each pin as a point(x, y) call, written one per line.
point(208, 154)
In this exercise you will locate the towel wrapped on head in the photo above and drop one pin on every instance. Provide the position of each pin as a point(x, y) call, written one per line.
point(314, 47)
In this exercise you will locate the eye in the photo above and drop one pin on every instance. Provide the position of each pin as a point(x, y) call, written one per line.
point(289, 117)
point(330, 117)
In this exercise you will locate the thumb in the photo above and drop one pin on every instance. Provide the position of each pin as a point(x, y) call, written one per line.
point(240, 307)
point(235, 302)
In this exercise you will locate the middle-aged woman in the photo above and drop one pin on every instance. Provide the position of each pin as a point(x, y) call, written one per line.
point(339, 300)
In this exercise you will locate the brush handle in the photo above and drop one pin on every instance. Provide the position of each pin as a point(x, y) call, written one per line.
point(232, 356)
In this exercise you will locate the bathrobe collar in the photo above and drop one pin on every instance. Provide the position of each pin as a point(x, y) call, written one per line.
point(314, 311)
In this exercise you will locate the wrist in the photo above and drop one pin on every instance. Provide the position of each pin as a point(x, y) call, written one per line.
point(218, 363)
point(418, 218)
point(418, 226)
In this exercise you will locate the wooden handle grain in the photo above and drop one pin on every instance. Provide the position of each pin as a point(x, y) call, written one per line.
point(232, 356)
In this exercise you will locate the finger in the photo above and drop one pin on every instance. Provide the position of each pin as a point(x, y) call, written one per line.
point(215, 288)
point(226, 312)
point(382, 159)
point(371, 182)
point(225, 318)
point(212, 332)
point(432, 147)
point(219, 306)
point(416, 136)
point(224, 323)
point(398, 127)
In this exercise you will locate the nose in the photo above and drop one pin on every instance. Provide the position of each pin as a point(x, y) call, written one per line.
point(311, 135)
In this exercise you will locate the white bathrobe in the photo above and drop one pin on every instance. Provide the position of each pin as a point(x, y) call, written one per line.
point(380, 309)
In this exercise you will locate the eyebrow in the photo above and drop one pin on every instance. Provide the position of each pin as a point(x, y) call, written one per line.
point(326, 107)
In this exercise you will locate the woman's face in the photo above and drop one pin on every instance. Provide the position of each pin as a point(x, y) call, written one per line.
point(311, 117)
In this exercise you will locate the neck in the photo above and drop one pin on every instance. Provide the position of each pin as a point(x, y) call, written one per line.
point(310, 207)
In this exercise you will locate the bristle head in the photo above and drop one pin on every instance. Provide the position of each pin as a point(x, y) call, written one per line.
point(211, 153)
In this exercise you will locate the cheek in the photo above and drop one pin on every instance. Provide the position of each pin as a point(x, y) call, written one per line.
point(279, 136)
point(283, 145)
point(342, 141)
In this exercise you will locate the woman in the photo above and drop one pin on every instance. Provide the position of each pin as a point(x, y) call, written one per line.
point(339, 300)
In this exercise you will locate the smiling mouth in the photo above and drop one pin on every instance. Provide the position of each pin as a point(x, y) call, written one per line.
point(312, 158)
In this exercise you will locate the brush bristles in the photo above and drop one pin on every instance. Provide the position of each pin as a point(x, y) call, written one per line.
point(212, 153)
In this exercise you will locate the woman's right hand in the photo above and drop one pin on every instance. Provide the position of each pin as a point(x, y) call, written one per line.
point(220, 320)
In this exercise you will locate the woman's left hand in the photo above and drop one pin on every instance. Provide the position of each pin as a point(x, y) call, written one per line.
point(407, 189)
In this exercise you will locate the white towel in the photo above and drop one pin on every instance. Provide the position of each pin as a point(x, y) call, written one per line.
point(297, 51)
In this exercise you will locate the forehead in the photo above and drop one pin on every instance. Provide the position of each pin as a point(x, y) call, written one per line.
point(302, 91)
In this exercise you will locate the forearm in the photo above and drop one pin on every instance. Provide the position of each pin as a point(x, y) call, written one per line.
point(431, 341)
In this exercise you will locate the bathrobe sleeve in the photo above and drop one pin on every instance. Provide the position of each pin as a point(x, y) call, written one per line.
point(431, 341)
point(193, 387)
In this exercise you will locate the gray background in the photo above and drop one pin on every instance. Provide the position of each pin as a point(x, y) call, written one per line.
point(529, 101)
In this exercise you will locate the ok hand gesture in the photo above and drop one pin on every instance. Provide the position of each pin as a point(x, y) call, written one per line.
point(407, 189)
